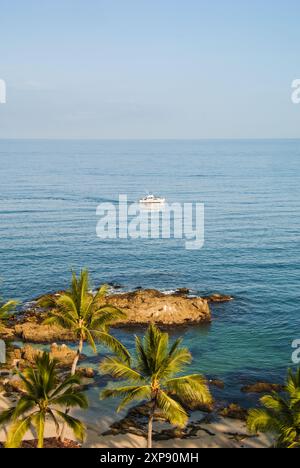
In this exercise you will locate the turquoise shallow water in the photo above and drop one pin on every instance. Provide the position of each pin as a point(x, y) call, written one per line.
point(251, 190)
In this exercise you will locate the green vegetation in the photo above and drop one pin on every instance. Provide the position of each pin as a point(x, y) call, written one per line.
point(43, 395)
point(152, 376)
point(5, 310)
point(84, 313)
point(280, 415)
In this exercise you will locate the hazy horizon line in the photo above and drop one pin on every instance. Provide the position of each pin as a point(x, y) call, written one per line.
point(154, 139)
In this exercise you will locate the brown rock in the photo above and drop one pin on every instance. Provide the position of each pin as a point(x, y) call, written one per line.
point(215, 298)
point(26, 356)
point(86, 372)
point(64, 355)
point(182, 292)
point(145, 306)
point(7, 333)
point(263, 387)
point(217, 383)
point(141, 307)
point(234, 411)
point(49, 443)
point(39, 333)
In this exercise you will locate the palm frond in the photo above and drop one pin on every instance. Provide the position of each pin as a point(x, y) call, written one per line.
point(6, 416)
point(47, 302)
point(90, 339)
point(172, 410)
point(120, 370)
point(77, 426)
point(71, 400)
point(118, 392)
point(38, 420)
point(260, 420)
point(101, 293)
point(274, 403)
point(142, 393)
point(161, 351)
point(67, 383)
point(142, 358)
point(190, 388)
point(5, 309)
point(67, 304)
point(112, 344)
point(105, 316)
point(60, 319)
point(23, 406)
point(17, 432)
point(179, 359)
point(54, 419)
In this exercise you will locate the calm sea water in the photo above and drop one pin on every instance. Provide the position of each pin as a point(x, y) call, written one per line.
point(251, 190)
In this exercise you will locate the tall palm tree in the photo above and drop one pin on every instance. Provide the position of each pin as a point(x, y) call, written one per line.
point(5, 310)
point(280, 415)
point(84, 313)
point(41, 400)
point(152, 376)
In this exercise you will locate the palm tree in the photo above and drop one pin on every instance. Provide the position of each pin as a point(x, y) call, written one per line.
point(5, 309)
point(153, 377)
point(280, 415)
point(41, 400)
point(84, 313)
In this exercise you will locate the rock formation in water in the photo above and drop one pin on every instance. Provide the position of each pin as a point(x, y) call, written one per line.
point(141, 308)
point(145, 306)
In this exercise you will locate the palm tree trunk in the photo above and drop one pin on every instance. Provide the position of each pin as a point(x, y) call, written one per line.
point(77, 357)
point(73, 372)
point(150, 424)
point(41, 431)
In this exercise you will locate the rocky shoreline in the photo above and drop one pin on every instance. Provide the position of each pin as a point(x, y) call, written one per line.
point(141, 308)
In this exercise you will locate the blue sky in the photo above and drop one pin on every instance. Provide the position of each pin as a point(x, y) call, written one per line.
point(149, 68)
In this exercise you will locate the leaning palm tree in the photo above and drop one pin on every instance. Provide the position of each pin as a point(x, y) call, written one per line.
point(280, 415)
point(152, 376)
point(5, 310)
point(43, 395)
point(84, 313)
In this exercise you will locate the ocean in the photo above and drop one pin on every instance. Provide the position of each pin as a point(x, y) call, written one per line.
point(251, 191)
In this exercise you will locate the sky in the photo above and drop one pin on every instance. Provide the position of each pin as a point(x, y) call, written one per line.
point(146, 69)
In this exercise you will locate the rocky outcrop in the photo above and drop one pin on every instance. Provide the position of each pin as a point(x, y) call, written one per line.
point(217, 383)
point(7, 333)
point(39, 333)
point(182, 292)
point(234, 411)
point(217, 298)
point(145, 306)
point(263, 387)
point(24, 357)
point(86, 372)
point(141, 308)
point(49, 443)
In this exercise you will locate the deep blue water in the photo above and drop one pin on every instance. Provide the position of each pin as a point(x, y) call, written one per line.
point(251, 189)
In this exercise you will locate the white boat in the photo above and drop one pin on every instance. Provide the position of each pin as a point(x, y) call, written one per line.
point(152, 199)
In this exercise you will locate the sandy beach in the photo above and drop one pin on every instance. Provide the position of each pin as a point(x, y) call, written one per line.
point(224, 433)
